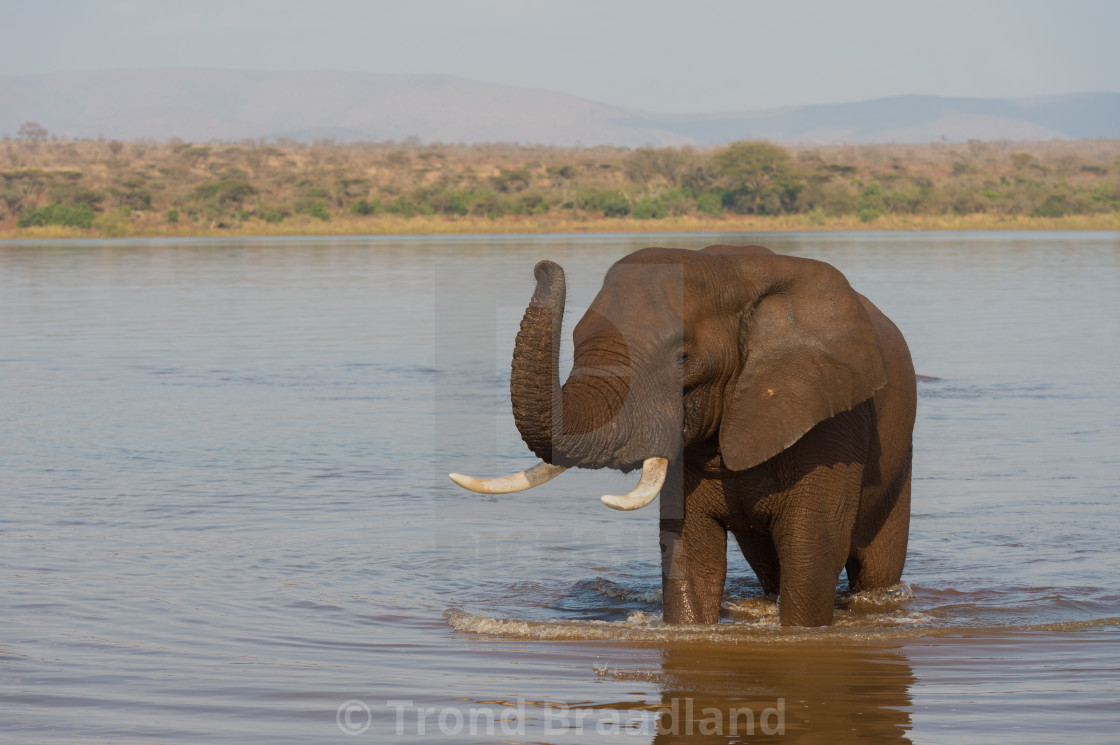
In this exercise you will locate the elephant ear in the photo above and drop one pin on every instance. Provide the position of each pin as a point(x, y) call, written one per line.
point(810, 352)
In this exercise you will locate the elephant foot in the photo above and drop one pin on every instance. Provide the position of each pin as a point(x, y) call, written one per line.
point(681, 609)
point(816, 616)
point(693, 570)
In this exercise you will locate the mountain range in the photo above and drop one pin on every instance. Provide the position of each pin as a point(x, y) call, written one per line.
point(202, 105)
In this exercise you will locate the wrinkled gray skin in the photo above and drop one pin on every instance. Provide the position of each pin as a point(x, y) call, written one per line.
point(784, 400)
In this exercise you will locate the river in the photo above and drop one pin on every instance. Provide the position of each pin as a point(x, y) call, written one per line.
point(226, 515)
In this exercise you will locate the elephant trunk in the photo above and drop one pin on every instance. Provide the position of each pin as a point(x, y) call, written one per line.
point(580, 423)
point(534, 382)
point(558, 423)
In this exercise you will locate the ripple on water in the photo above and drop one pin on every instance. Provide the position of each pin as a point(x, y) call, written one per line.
point(879, 614)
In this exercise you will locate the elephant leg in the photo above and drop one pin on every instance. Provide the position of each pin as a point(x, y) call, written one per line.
point(879, 544)
point(813, 538)
point(758, 549)
point(693, 569)
point(812, 556)
point(693, 547)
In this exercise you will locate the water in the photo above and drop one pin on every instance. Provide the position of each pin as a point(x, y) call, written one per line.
point(225, 512)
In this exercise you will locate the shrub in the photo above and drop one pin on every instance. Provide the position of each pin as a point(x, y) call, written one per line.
point(678, 202)
point(611, 203)
point(532, 203)
point(509, 180)
point(133, 192)
point(77, 216)
point(710, 203)
point(173, 217)
point(1055, 205)
point(487, 203)
point(1105, 198)
point(562, 172)
point(407, 205)
point(649, 209)
point(272, 213)
point(868, 214)
point(870, 205)
point(114, 224)
point(225, 192)
point(318, 210)
point(72, 195)
point(365, 207)
point(443, 202)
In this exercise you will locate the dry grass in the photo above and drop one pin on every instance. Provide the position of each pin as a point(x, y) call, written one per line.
point(432, 225)
point(133, 187)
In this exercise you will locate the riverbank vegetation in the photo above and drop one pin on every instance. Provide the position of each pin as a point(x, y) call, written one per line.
point(55, 188)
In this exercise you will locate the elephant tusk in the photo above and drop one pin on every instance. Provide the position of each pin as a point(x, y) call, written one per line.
point(535, 476)
point(653, 478)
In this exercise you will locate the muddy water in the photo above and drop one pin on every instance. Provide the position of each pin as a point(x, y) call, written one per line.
point(225, 515)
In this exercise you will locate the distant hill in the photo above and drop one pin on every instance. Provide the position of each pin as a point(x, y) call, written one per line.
point(199, 105)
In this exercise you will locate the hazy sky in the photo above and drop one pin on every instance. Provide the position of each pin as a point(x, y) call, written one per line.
point(683, 56)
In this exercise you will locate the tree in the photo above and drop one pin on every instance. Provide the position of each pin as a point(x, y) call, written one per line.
point(754, 167)
point(33, 131)
point(647, 164)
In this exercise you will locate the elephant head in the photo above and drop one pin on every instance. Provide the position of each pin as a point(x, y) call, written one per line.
point(734, 347)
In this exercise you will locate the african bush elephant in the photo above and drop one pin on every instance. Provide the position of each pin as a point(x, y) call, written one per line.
point(759, 393)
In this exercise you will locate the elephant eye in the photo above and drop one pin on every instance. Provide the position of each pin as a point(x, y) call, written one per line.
point(682, 358)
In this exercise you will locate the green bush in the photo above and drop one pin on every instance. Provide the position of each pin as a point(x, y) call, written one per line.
point(710, 203)
point(72, 195)
point(910, 200)
point(438, 200)
point(225, 192)
point(678, 202)
point(649, 209)
point(459, 202)
point(1105, 198)
point(77, 216)
point(489, 204)
point(612, 203)
point(532, 203)
point(173, 217)
point(868, 214)
point(318, 210)
point(407, 205)
point(1055, 205)
point(870, 205)
point(963, 200)
point(365, 207)
point(510, 180)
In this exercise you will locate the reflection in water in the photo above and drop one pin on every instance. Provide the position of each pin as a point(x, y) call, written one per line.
point(794, 693)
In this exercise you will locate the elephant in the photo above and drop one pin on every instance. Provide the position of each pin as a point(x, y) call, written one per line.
point(760, 395)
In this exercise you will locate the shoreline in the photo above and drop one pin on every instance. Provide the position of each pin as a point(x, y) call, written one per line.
point(542, 224)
